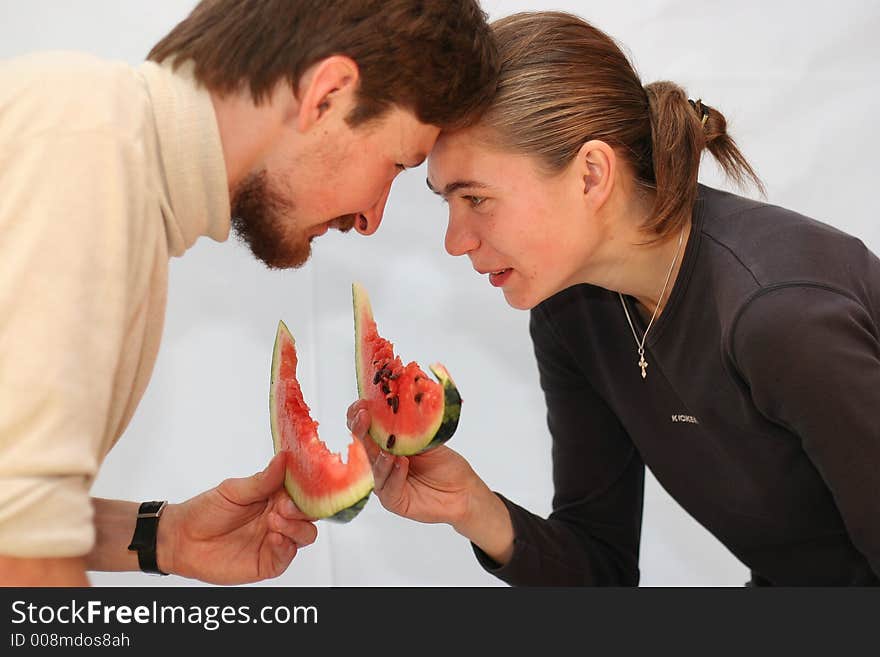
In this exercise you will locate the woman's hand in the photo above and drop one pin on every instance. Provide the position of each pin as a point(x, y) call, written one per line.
point(434, 486)
point(437, 486)
point(244, 530)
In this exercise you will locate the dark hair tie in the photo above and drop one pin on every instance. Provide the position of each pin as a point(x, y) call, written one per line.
point(699, 109)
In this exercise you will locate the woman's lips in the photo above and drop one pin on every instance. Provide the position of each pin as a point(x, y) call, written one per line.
point(499, 278)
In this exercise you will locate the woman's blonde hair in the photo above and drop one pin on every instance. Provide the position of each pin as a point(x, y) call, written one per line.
point(563, 82)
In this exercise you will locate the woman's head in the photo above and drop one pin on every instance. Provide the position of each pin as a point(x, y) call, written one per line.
point(565, 82)
point(565, 85)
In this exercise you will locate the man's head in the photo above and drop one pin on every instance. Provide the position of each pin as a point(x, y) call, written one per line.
point(349, 92)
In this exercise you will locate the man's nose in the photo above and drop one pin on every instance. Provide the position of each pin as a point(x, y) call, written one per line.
point(368, 222)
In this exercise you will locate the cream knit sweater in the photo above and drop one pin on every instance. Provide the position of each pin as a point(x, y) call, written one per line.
point(105, 172)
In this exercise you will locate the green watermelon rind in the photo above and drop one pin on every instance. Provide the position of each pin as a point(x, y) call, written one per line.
point(441, 429)
point(350, 512)
point(342, 507)
point(451, 407)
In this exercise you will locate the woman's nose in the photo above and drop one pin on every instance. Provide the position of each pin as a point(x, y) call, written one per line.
point(459, 238)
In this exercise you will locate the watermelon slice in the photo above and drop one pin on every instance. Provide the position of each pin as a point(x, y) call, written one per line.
point(321, 485)
point(410, 412)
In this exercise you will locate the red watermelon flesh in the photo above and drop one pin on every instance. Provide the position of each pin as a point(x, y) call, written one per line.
point(318, 481)
point(410, 411)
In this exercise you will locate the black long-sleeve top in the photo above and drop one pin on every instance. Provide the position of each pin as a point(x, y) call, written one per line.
point(760, 412)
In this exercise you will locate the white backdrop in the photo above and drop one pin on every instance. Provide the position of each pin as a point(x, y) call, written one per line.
point(798, 84)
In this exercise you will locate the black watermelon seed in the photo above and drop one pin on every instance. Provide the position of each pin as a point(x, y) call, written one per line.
point(418, 397)
point(391, 440)
point(395, 401)
point(388, 399)
point(385, 388)
point(393, 376)
point(376, 377)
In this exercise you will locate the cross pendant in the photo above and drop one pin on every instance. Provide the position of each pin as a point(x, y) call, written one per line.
point(643, 364)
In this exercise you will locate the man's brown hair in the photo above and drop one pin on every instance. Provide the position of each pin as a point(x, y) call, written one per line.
point(436, 58)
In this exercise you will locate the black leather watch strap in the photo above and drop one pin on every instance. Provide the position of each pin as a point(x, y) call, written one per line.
point(144, 538)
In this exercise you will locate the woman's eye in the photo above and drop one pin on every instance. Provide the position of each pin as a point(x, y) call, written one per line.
point(400, 167)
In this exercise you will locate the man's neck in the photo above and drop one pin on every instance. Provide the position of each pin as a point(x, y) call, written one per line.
point(247, 132)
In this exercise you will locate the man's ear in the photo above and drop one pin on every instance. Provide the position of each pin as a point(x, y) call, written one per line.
point(597, 168)
point(327, 85)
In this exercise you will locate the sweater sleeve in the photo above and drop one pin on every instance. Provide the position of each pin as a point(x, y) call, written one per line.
point(811, 359)
point(66, 204)
point(592, 535)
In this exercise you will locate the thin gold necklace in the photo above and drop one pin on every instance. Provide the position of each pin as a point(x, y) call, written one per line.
point(640, 344)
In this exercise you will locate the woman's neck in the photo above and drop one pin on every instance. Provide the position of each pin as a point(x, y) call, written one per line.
point(631, 263)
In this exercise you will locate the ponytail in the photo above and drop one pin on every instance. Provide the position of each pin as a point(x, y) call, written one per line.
point(680, 130)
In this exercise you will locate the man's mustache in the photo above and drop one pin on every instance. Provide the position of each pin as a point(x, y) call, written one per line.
point(344, 223)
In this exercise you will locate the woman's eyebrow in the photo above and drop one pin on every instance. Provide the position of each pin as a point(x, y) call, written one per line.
point(455, 186)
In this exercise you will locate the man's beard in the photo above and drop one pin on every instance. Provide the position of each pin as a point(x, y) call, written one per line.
point(266, 221)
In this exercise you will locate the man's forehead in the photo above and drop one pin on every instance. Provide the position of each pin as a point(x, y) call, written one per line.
point(409, 124)
point(424, 142)
point(418, 158)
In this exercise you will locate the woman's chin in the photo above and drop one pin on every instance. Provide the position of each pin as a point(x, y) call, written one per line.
point(519, 301)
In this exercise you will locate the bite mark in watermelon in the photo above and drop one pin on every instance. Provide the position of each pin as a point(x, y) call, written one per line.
point(410, 412)
point(318, 481)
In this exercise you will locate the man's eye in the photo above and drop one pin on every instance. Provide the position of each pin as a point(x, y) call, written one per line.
point(475, 201)
point(400, 167)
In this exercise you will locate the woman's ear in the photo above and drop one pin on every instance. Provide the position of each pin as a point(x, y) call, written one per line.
point(327, 86)
point(597, 167)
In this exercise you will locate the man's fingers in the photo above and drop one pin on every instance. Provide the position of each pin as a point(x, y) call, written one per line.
point(288, 509)
point(283, 550)
point(257, 487)
point(300, 532)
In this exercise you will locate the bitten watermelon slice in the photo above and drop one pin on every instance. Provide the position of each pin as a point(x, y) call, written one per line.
point(410, 412)
point(321, 485)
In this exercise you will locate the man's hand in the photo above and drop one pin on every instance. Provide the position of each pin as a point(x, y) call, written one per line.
point(244, 530)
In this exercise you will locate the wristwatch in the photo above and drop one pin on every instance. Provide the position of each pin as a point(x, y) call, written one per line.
point(144, 538)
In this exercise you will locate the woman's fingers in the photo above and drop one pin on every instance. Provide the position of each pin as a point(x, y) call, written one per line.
point(389, 471)
point(360, 406)
point(382, 466)
point(359, 423)
point(393, 489)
